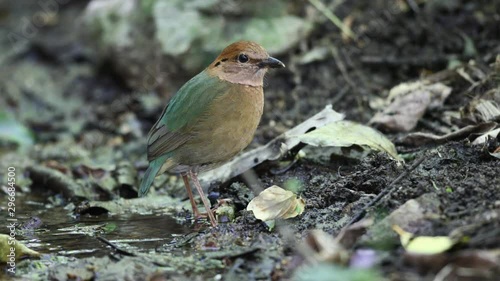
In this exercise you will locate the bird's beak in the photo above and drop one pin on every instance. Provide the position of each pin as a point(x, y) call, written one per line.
point(271, 62)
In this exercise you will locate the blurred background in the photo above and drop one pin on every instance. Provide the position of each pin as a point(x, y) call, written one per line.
point(94, 72)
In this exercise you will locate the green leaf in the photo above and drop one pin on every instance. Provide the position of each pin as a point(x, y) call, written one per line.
point(109, 227)
point(270, 224)
point(346, 133)
point(328, 272)
point(176, 28)
point(179, 26)
point(276, 34)
point(13, 131)
point(112, 21)
point(294, 185)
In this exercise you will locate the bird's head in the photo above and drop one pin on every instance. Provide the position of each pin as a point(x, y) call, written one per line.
point(243, 62)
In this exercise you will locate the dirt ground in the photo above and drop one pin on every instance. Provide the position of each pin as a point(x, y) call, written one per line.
point(76, 185)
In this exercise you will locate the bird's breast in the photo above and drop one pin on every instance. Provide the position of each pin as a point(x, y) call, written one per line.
point(227, 126)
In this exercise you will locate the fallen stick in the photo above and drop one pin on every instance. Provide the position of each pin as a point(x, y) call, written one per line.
point(385, 192)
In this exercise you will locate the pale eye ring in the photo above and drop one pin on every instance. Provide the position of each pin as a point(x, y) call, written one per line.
point(243, 58)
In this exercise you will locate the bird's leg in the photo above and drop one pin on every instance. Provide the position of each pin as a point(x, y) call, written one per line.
point(203, 198)
point(196, 213)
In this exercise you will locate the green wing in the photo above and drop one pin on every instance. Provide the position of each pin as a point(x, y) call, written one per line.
point(183, 110)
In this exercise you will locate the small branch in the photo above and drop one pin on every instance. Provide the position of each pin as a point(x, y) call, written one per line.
point(333, 18)
point(55, 180)
point(113, 246)
point(387, 191)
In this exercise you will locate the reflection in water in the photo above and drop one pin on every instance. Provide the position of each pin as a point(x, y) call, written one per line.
point(61, 234)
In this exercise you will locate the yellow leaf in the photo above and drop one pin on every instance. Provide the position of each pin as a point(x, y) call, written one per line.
point(425, 245)
point(276, 202)
point(12, 250)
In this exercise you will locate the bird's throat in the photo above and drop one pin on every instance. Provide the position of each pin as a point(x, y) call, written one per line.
point(253, 77)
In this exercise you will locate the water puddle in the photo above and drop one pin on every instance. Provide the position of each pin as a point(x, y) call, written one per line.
point(61, 233)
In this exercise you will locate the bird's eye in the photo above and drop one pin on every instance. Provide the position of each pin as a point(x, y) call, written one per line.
point(242, 58)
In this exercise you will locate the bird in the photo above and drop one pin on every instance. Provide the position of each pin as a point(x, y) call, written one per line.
point(210, 119)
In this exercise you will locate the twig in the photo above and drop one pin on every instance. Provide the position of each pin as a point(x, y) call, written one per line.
point(55, 180)
point(341, 94)
point(341, 66)
point(419, 138)
point(333, 18)
point(113, 246)
point(387, 191)
point(413, 6)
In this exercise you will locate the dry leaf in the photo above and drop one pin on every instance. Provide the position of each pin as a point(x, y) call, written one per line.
point(489, 135)
point(325, 248)
point(276, 202)
point(479, 110)
point(409, 102)
point(495, 154)
point(350, 234)
point(346, 133)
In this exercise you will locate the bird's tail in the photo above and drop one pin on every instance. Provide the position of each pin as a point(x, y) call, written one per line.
point(150, 174)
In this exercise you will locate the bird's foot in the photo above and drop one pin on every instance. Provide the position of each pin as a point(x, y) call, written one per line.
point(202, 216)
